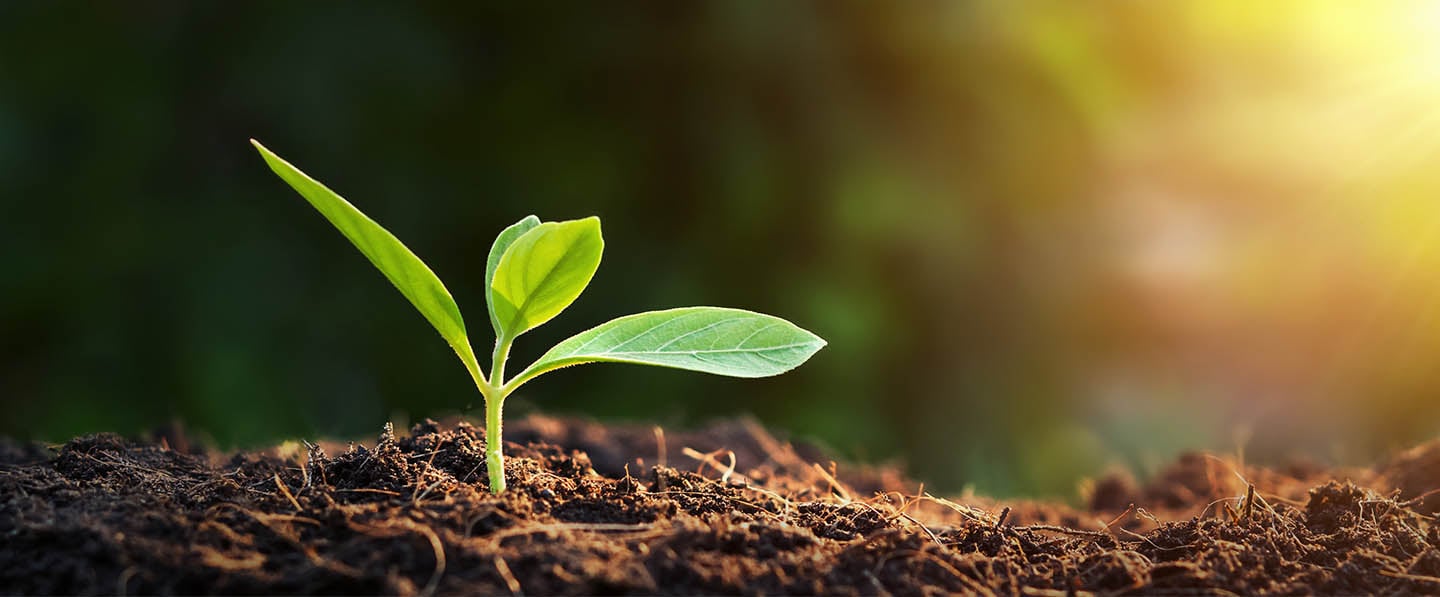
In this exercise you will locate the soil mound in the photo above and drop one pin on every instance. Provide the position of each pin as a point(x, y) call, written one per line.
point(724, 510)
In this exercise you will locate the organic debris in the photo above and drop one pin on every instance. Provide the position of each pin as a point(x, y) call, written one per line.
point(735, 511)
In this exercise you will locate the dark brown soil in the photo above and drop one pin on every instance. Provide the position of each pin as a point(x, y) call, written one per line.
point(726, 510)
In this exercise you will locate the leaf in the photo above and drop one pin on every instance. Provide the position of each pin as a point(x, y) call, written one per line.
point(503, 241)
point(544, 271)
point(406, 271)
point(717, 340)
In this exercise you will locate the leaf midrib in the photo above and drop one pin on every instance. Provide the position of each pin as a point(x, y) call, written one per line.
point(530, 296)
point(694, 352)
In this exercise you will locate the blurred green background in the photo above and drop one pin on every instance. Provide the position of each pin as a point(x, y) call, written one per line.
point(1041, 238)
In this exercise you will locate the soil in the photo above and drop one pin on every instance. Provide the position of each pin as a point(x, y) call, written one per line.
point(728, 509)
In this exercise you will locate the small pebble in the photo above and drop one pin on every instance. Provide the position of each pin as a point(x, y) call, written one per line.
point(546, 493)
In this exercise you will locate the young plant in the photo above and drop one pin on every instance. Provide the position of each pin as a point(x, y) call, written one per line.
point(533, 272)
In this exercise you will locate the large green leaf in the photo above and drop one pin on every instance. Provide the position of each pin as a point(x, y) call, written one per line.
point(406, 271)
point(544, 271)
point(715, 340)
point(502, 242)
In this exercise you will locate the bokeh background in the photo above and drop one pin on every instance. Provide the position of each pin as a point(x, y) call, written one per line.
point(1043, 238)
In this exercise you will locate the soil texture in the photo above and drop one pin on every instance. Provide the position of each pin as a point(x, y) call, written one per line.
point(728, 509)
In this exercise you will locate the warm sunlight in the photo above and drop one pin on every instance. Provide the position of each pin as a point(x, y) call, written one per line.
point(1281, 219)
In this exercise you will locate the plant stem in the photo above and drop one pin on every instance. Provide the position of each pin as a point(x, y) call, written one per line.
point(494, 405)
point(497, 362)
point(494, 450)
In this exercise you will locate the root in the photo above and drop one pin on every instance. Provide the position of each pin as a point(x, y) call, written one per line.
point(510, 581)
point(286, 491)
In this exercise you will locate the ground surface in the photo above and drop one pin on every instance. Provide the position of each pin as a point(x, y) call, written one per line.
point(596, 510)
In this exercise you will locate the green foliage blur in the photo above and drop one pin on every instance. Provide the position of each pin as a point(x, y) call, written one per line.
point(921, 184)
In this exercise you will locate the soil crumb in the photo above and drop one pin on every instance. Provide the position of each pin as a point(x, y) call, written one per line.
point(728, 509)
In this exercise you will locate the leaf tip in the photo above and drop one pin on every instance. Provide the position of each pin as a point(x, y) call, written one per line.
point(815, 339)
point(594, 222)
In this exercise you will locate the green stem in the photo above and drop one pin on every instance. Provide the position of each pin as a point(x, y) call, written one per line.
point(495, 403)
point(494, 452)
point(497, 362)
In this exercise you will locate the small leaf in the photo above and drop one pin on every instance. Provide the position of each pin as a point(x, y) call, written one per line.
point(503, 241)
point(730, 342)
point(406, 271)
point(544, 271)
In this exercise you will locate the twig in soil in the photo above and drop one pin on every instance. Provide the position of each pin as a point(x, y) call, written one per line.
point(704, 458)
point(1250, 495)
point(1128, 511)
point(1005, 513)
point(709, 459)
point(912, 500)
point(660, 450)
point(901, 512)
point(417, 495)
point(786, 504)
point(1143, 513)
point(1249, 503)
point(1419, 498)
point(304, 476)
point(421, 495)
point(1231, 514)
point(466, 479)
point(286, 491)
point(1139, 537)
point(369, 490)
point(315, 459)
point(922, 526)
point(972, 513)
point(1207, 508)
point(1097, 535)
point(511, 582)
point(835, 486)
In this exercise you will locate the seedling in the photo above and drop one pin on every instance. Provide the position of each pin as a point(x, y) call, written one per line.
point(534, 271)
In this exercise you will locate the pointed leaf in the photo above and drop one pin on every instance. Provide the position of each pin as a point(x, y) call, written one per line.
point(717, 340)
point(406, 271)
point(502, 242)
point(544, 271)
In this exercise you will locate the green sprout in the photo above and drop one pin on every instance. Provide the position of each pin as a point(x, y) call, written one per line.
point(534, 271)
